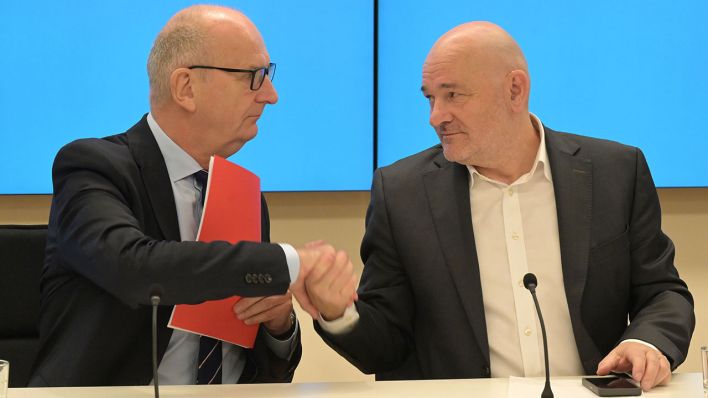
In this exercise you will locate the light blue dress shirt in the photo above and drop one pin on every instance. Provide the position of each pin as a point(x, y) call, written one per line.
point(179, 364)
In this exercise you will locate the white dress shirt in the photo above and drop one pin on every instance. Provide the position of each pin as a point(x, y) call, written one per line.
point(516, 232)
point(179, 364)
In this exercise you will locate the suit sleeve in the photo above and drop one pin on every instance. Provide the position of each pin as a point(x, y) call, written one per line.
point(661, 308)
point(382, 338)
point(262, 364)
point(98, 220)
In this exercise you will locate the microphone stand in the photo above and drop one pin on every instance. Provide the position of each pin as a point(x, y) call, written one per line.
point(530, 283)
point(155, 299)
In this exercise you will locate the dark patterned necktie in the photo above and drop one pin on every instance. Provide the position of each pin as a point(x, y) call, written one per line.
point(201, 178)
point(209, 360)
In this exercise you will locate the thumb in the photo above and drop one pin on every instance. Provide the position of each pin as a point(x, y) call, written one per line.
point(608, 364)
point(303, 299)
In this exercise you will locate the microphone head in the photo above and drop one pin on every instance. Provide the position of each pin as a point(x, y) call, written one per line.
point(530, 279)
point(155, 291)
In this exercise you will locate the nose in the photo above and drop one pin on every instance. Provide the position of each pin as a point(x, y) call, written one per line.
point(439, 114)
point(267, 93)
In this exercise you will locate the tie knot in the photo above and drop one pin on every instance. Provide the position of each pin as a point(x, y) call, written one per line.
point(201, 177)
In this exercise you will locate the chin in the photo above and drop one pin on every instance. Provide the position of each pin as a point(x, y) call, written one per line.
point(248, 134)
point(450, 153)
point(456, 156)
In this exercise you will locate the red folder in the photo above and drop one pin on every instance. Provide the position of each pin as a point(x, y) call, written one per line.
point(232, 212)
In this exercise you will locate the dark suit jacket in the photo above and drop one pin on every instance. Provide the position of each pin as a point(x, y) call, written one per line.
point(420, 299)
point(113, 236)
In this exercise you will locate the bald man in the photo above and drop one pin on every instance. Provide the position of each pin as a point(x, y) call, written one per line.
point(125, 213)
point(452, 231)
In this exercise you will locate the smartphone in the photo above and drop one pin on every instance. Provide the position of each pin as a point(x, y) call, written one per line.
point(612, 386)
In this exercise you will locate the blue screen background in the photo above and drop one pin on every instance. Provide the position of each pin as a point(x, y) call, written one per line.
point(631, 71)
point(74, 69)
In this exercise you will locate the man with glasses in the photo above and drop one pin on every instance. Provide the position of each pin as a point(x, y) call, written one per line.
point(125, 214)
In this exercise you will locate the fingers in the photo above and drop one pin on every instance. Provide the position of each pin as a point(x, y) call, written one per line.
point(638, 361)
point(353, 283)
point(326, 282)
point(244, 303)
point(322, 266)
point(657, 371)
point(650, 369)
point(334, 289)
point(257, 309)
point(608, 364)
point(278, 313)
point(649, 366)
point(307, 257)
point(304, 300)
point(320, 245)
point(337, 273)
point(664, 376)
point(311, 257)
point(315, 244)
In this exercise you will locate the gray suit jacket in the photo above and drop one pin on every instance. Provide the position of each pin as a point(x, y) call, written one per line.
point(420, 299)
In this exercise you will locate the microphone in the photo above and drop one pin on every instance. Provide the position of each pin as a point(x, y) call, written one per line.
point(530, 283)
point(155, 296)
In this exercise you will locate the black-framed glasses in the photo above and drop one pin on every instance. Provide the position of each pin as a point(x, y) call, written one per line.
point(257, 75)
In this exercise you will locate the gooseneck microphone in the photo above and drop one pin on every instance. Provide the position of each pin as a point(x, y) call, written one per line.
point(155, 295)
point(530, 283)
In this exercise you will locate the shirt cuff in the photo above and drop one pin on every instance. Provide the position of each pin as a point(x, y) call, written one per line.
point(341, 325)
point(640, 342)
point(283, 349)
point(293, 260)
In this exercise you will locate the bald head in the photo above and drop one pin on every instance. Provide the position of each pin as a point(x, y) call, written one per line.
point(477, 84)
point(192, 36)
point(483, 45)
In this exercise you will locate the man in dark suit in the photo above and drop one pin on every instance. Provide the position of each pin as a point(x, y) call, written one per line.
point(124, 219)
point(451, 232)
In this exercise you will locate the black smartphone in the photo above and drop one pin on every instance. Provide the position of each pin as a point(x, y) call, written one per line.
point(612, 386)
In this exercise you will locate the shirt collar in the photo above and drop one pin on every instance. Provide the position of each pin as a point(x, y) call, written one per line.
point(541, 157)
point(178, 162)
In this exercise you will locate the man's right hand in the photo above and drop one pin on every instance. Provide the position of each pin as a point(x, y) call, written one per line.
point(325, 279)
point(332, 289)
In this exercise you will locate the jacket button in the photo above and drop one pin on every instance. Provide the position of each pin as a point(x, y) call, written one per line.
point(248, 278)
point(268, 278)
point(261, 278)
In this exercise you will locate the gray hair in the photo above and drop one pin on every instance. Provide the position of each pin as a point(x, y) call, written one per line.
point(173, 48)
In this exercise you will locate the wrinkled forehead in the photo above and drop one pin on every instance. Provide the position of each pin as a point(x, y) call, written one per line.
point(449, 66)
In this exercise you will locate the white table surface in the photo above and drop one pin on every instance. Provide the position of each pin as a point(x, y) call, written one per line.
point(684, 385)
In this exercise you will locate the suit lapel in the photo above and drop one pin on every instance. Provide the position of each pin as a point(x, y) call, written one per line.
point(453, 223)
point(572, 183)
point(157, 181)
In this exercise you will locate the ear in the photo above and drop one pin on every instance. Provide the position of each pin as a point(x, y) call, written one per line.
point(182, 90)
point(519, 87)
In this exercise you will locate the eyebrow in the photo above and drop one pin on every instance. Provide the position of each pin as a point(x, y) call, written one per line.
point(444, 85)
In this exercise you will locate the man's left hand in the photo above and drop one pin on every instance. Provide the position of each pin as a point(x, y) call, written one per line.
point(649, 367)
point(272, 311)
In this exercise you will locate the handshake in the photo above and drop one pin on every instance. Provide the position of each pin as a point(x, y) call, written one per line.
point(326, 284)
